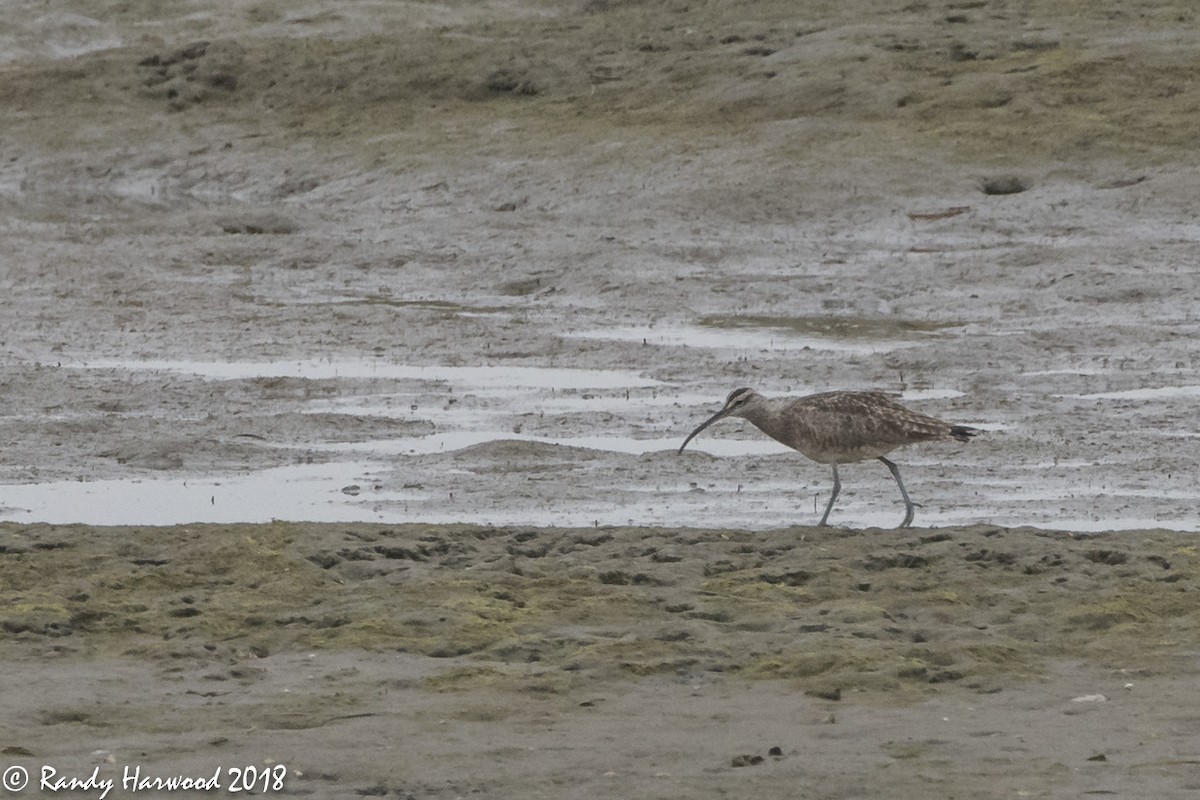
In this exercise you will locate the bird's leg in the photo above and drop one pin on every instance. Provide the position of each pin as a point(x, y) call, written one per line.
point(837, 487)
point(909, 505)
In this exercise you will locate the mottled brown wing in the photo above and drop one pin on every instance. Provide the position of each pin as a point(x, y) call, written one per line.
point(857, 425)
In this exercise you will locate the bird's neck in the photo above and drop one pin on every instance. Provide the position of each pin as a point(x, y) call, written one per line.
point(762, 414)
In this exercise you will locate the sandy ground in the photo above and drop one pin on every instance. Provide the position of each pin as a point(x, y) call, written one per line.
point(488, 263)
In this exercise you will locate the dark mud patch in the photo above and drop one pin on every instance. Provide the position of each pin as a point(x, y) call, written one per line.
point(972, 84)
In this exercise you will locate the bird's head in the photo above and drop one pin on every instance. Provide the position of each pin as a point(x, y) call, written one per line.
point(735, 405)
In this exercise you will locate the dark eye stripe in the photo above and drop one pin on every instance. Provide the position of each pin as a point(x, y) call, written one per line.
point(738, 397)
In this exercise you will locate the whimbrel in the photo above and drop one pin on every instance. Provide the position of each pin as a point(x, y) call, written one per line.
point(839, 428)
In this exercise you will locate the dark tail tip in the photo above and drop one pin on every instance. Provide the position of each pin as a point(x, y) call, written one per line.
point(964, 433)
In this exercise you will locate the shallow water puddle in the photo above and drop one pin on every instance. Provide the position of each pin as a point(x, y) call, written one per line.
point(1159, 393)
point(453, 441)
point(521, 482)
point(749, 338)
point(321, 369)
point(350, 491)
point(310, 492)
point(507, 402)
point(398, 406)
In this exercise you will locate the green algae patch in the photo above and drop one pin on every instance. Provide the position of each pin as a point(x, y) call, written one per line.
point(891, 666)
point(746, 591)
point(46, 617)
point(541, 610)
point(639, 656)
point(467, 678)
point(798, 665)
point(686, 72)
point(114, 585)
point(1097, 617)
point(848, 667)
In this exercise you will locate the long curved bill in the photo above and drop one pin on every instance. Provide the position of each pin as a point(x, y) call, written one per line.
point(717, 416)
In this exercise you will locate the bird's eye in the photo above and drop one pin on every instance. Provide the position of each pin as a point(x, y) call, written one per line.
point(737, 398)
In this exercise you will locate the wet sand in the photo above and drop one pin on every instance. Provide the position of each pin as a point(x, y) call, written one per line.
point(234, 236)
point(432, 661)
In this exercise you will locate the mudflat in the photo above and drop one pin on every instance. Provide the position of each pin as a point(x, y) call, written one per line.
point(486, 261)
point(459, 661)
point(485, 264)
